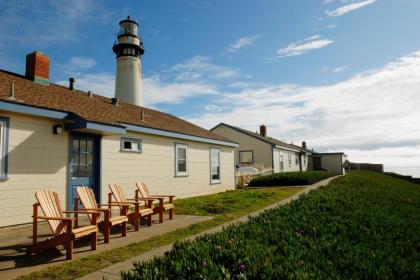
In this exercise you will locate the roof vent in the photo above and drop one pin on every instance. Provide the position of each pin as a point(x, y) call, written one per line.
point(12, 91)
point(115, 101)
point(71, 83)
point(90, 94)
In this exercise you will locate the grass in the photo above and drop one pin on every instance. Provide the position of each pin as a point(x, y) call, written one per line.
point(362, 226)
point(290, 178)
point(223, 207)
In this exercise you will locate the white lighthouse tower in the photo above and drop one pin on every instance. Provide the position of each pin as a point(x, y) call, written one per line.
point(128, 49)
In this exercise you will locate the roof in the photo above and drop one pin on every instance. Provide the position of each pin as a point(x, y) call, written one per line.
point(332, 153)
point(268, 140)
point(97, 109)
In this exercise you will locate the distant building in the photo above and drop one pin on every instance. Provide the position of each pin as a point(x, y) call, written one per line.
point(57, 138)
point(263, 152)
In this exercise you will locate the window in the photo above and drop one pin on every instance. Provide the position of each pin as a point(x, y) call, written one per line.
point(131, 145)
point(304, 159)
point(281, 161)
point(214, 166)
point(4, 139)
point(246, 156)
point(181, 160)
point(297, 159)
point(289, 158)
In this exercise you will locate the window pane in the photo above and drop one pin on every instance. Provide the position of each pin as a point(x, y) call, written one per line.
point(75, 170)
point(182, 153)
point(89, 159)
point(214, 157)
point(127, 145)
point(83, 146)
point(82, 158)
point(215, 172)
point(76, 158)
point(89, 171)
point(182, 166)
point(245, 157)
point(82, 170)
point(90, 146)
point(75, 146)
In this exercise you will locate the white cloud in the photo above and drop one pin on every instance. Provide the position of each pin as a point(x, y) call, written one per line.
point(77, 64)
point(339, 69)
point(155, 91)
point(349, 8)
point(372, 116)
point(301, 47)
point(198, 68)
point(241, 43)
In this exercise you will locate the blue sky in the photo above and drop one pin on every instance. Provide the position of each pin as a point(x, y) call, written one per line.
point(344, 75)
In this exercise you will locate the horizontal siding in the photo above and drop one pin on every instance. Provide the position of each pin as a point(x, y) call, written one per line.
point(37, 160)
point(287, 167)
point(155, 167)
point(262, 151)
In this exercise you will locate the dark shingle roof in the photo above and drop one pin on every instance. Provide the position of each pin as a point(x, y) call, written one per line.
point(269, 140)
point(97, 109)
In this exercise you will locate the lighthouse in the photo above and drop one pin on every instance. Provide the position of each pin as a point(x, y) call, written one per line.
point(128, 49)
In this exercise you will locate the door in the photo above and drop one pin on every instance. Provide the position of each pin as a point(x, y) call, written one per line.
point(317, 163)
point(84, 165)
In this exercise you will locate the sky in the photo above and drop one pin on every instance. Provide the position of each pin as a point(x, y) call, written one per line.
point(342, 75)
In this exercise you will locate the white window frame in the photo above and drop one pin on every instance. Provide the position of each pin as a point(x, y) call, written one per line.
point(215, 181)
point(296, 159)
point(281, 161)
point(138, 142)
point(177, 172)
point(4, 141)
point(289, 159)
point(247, 151)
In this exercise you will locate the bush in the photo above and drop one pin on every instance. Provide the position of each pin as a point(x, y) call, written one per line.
point(290, 179)
point(361, 226)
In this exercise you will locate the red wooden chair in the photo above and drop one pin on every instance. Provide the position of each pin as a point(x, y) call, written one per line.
point(142, 191)
point(64, 232)
point(87, 198)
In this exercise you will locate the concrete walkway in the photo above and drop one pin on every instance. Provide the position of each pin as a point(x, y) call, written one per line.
point(13, 242)
point(113, 272)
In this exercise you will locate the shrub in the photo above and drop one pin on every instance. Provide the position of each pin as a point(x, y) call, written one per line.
point(290, 179)
point(361, 226)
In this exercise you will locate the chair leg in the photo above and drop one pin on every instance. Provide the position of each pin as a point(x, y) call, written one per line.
point(93, 240)
point(69, 249)
point(171, 214)
point(137, 217)
point(124, 229)
point(149, 220)
point(107, 227)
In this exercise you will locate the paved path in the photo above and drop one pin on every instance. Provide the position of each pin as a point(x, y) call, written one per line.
point(113, 272)
point(13, 242)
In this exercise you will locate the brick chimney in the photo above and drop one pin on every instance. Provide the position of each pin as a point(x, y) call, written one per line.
point(263, 130)
point(38, 68)
point(304, 144)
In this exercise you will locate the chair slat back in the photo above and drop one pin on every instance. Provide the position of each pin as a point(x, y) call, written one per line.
point(50, 205)
point(118, 193)
point(144, 192)
point(88, 200)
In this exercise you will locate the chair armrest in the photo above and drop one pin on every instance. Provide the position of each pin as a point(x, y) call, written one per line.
point(162, 196)
point(82, 212)
point(115, 204)
point(94, 209)
point(142, 199)
point(56, 218)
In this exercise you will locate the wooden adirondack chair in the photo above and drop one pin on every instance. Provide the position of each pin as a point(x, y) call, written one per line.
point(62, 227)
point(142, 191)
point(134, 217)
point(86, 196)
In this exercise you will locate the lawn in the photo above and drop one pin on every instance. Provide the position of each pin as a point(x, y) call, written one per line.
point(223, 207)
point(361, 226)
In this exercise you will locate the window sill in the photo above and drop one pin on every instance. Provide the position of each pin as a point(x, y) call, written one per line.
point(181, 175)
point(215, 182)
point(131, 152)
